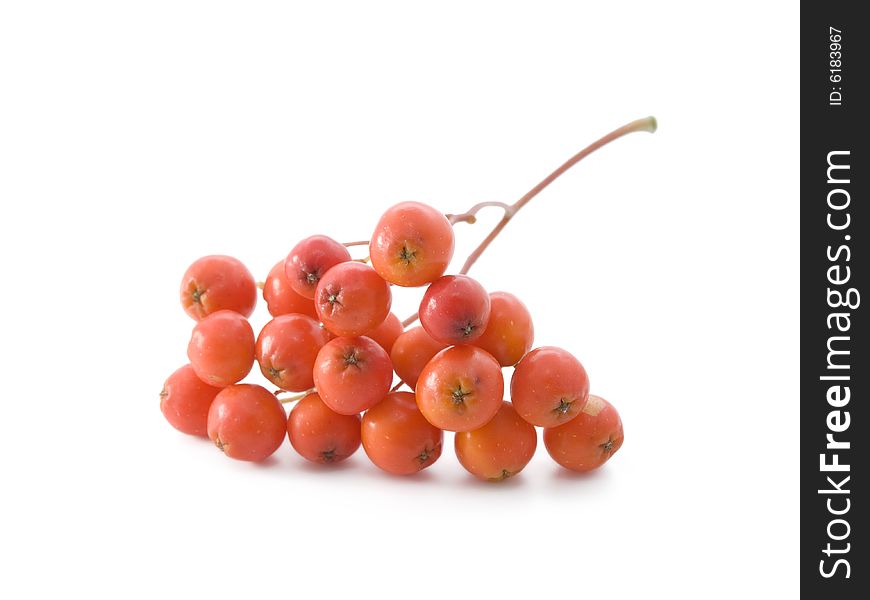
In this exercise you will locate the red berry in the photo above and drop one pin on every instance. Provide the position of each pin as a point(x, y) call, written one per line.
point(411, 351)
point(351, 299)
point(412, 244)
point(509, 333)
point(215, 283)
point(352, 374)
point(221, 348)
point(309, 261)
point(397, 438)
point(549, 387)
point(455, 309)
point(320, 434)
point(500, 449)
point(287, 348)
point(589, 440)
point(281, 298)
point(387, 332)
point(247, 422)
point(185, 400)
point(460, 389)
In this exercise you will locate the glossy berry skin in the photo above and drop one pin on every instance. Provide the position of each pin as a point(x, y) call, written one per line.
point(509, 333)
point(185, 400)
point(287, 348)
point(387, 332)
point(500, 449)
point(221, 348)
point(215, 283)
point(460, 389)
point(247, 422)
point(281, 298)
point(455, 310)
point(589, 440)
point(352, 374)
point(351, 299)
point(411, 351)
point(412, 244)
point(309, 261)
point(320, 434)
point(549, 387)
point(397, 438)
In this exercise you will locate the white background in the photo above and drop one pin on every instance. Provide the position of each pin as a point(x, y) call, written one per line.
point(136, 137)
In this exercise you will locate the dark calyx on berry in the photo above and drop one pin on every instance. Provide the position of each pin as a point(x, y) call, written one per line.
point(332, 297)
point(467, 329)
point(407, 255)
point(501, 476)
point(564, 406)
point(459, 396)
point(426, 454)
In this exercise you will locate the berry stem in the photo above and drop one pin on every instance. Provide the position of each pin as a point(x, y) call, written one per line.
point(293, 398)
point(510, 210)
point(648, 124)
point(470, 216)
point(359, 243)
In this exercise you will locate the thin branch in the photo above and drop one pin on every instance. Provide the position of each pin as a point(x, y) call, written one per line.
point(648, 124)
point(293, 398)
point(470, 216)
point(412, 319)
point(510, 210)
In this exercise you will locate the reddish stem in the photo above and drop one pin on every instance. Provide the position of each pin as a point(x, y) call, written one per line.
point(410, 320)
point(470, 215)
point(648, 124)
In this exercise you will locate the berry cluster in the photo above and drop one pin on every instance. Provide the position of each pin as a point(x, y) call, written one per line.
point(333, 338)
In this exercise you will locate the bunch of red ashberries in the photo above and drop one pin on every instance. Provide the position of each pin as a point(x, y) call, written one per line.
point(334, 338)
